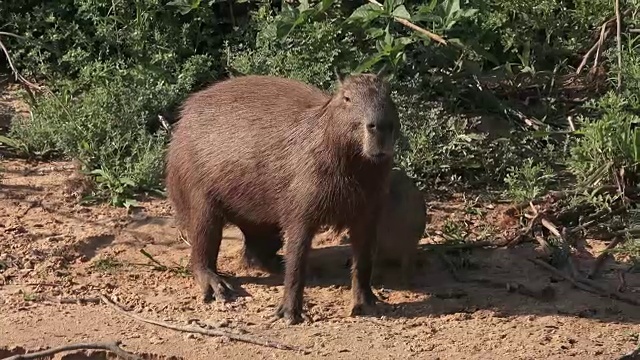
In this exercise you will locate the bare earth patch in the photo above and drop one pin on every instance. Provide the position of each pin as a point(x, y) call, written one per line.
point(51, 247)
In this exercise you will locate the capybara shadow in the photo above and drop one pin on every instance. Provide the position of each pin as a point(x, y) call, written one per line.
point(279, 159)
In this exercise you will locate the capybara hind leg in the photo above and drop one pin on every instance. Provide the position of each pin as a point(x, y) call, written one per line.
point(407, 270)
point(363, 298)
point(261, 245)
point(296, 254)
point(206, 236)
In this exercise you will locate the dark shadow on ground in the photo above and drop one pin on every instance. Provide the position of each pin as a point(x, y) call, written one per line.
point(488, 282)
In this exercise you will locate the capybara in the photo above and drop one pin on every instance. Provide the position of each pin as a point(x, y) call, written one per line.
point(402, 222)
point(401, 225)
point(264, 152)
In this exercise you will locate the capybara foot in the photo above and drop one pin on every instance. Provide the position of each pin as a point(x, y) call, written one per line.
point(362, 309)
point(273, 264)
point(213, 286)
point(364, 303)
point(291, 316)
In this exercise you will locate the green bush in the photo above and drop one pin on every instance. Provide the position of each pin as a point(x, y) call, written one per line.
point(527, 181)
point(114, 67)
point(106, 126)
point(438, 146)
point(310, 54)
point(608, 144)
point(66, 37)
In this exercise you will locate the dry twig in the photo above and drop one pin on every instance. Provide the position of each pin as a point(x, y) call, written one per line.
point(603, 256)
point(113, 347)
point(565, 245)
point(461, 246)
point(622, 285)
point(586, 285)
point(518, 239)
point(545, 294)
point(415, 27)
point(196, 330)
point(72, 300)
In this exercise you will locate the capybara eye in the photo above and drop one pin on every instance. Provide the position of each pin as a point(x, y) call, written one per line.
point(347, 99)
point(371, 126)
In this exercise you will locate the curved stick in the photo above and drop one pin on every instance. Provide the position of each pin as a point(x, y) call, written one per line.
point(113, 347)
point(191, 329)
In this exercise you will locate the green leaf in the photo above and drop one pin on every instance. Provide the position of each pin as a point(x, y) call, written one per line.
point(283, 28)
point(367, 64)
point(452, 7)
point(401, 12)
point(127, 181)
point(374, 32)
point(388, 38)
point(365, 13)
point(128, 203)
point(388, 6)
point(405, 40)
point(9, 142)
point(324, 5)
point(426, 9)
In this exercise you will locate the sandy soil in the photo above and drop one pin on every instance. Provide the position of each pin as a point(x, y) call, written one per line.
point(52, 247)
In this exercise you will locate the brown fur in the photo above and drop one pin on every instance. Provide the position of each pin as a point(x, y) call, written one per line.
point(274, 155)
point(401, 226)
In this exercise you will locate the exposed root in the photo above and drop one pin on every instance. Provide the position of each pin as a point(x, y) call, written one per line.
point(210, 332)
point(113, 347)
point(603, 256)
point(585, 284)
point(545, 294)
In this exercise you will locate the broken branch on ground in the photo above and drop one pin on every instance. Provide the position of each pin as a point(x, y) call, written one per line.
point(197, 330)
point(113, 347)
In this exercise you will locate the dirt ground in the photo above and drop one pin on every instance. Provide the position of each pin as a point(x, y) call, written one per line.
point(51, 247)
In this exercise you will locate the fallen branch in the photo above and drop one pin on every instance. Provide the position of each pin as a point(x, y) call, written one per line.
point(584, 284)
point(518, 239)
point(565, 245)
point(603, 256)
point(113, 347)
point(415, 27)
point(622, 282)
point(545, 294)
point(460, 246)
point(196, 330)
point(72, 300)
point(25, 83)
point(595, 47)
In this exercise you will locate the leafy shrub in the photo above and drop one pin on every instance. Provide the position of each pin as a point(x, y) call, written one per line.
point(528, 181)
point(437, 146)
point(608, 144)
point(310, 54)
point(106, 126)
point(65, 37)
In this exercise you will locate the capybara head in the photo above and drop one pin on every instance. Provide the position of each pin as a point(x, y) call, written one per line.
point(364, 102)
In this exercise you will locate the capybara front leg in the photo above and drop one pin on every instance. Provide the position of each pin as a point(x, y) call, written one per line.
point(298, 243)
point(206, 236)
point(363, 239)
